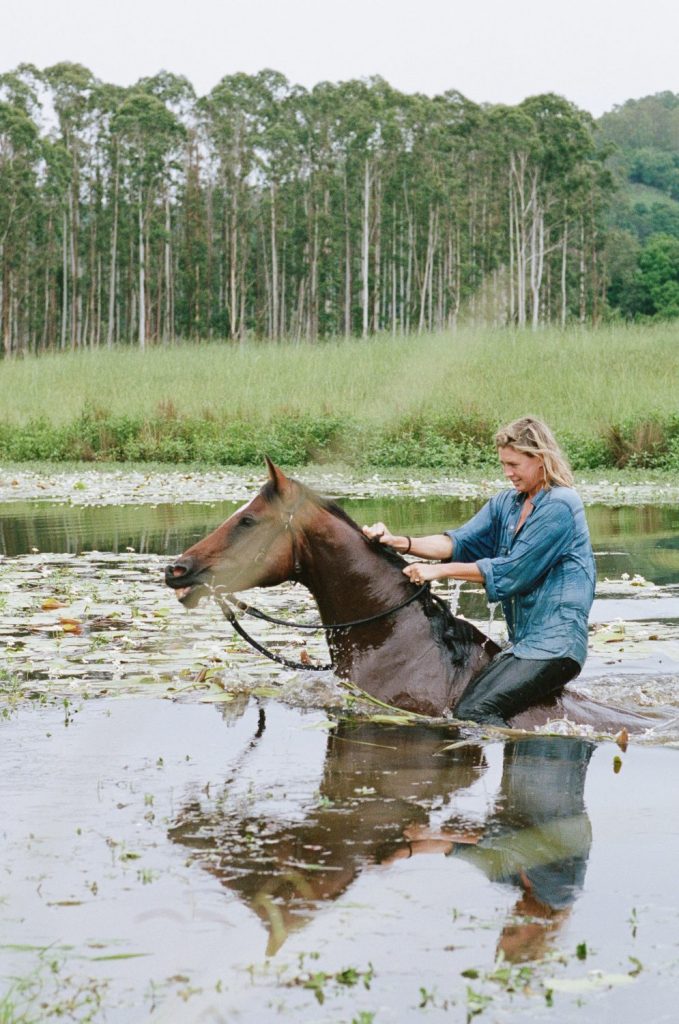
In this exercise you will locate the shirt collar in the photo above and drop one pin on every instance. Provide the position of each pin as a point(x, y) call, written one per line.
point(520, 497)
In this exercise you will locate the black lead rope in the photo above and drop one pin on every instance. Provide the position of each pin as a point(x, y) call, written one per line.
point(270, 654)
point(226, 600)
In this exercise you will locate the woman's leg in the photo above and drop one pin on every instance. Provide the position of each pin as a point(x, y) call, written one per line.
point(510, 685)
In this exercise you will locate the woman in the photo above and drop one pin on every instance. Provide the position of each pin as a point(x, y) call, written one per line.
point(530, 547)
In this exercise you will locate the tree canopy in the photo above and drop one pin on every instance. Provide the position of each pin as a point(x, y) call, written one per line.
point(147, 213)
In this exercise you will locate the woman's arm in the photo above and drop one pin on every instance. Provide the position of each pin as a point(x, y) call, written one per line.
point(545, 537)
point(424, 572)
point(437, 545)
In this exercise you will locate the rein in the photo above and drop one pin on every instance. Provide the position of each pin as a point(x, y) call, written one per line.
point(225, 602)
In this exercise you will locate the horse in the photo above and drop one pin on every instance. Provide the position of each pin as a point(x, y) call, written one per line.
point(398, 644)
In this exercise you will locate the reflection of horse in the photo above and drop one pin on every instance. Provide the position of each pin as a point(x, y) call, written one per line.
point(377, 780)
point(379, 785)
point(419, 658)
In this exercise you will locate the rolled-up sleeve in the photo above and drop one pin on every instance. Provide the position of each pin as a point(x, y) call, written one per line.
point(544, 538)
point(477, 538)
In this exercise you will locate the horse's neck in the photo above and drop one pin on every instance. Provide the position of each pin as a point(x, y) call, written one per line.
point(347, 578)
point(404, 658)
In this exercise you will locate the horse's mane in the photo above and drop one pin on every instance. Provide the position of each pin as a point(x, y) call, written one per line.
point(451, 630)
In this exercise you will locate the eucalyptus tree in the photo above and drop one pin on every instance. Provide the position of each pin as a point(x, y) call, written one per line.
point(149, 137)
point(233, 120)
point(19, 153)
point(183, 272)
point(71, 87)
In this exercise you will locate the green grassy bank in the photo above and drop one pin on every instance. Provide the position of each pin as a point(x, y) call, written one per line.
point(434, 401)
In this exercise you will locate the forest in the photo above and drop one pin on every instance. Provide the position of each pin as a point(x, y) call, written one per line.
point(147, 214)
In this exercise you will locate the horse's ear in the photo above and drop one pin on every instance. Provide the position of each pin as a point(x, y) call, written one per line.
point(277, 477)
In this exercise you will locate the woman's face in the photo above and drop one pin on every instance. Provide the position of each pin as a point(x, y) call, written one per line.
point(525, 472)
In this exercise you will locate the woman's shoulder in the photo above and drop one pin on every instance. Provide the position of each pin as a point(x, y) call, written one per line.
point(564, 496)
point(503, 500)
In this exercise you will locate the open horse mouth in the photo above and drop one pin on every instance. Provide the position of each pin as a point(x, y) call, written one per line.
point(188, 585)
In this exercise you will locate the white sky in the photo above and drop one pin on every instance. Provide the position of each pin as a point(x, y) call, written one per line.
point(596, 53)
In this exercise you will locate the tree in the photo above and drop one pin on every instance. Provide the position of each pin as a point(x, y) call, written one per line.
point(659, 274)
point(149, 137)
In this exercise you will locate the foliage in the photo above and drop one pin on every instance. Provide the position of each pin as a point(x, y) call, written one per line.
point(644, 217)
point(265, 209)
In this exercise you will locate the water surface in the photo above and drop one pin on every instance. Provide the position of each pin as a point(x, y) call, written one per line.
point(216, 839)
point(179, 862)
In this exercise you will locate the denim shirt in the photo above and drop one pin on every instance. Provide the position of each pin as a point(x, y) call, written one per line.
point(544, 576)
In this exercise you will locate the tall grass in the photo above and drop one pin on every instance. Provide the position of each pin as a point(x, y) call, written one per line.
point(577, 379)
point(593, 386)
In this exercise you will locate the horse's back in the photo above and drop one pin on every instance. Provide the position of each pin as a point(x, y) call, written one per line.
point(581, 710)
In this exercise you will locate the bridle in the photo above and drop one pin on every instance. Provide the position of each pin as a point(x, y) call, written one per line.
point(229, 603)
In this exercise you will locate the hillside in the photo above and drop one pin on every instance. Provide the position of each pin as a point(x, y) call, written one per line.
point(642, 221)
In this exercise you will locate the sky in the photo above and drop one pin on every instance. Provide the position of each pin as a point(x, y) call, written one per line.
point(596, 53)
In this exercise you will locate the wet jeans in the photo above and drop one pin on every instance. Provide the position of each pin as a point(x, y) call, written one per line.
point(510, 685)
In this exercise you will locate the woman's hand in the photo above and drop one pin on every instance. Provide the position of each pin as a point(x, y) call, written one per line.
point(378, 531)
point(424, 572)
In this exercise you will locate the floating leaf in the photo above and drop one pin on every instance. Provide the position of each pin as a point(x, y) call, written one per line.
point(118, 956)
point(622, 739)
point(216, 698)
point(590, 983)
point(266, 691)
point(390, 719)
point(71, 625)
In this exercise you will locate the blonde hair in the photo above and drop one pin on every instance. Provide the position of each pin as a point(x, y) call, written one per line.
point(533, 437)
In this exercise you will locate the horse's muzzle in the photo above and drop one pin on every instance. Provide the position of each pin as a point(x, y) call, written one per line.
point(183, 576)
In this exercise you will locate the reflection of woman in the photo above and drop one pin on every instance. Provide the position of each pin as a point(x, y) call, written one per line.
point(538, 838)
point(530, 547)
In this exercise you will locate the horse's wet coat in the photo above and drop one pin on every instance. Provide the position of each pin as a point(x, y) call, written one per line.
point(420, 659)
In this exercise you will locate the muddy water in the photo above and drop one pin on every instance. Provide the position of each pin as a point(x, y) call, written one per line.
point(250, 848)
point(189, 863)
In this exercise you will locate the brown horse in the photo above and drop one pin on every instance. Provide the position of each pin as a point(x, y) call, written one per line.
point(420, 658)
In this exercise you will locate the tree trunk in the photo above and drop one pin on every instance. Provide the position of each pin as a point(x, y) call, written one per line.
point(167, 329)
point(564, 268)
point(365, 252)
point(347, 262)
point(64, 283)
point(275, 325)
point(142, 279)
point(113, 267)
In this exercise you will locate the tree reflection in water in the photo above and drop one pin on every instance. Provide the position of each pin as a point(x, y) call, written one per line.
point(379, 786)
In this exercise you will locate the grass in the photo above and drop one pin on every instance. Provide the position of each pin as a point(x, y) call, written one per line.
point(367, 401)
point(575, 379)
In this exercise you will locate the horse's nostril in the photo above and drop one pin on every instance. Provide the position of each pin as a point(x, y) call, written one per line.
point(179, 570)
point(175, 570)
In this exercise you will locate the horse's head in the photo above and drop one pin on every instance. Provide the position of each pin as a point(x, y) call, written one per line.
point(255, 547)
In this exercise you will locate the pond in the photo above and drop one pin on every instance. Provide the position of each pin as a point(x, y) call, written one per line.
point(216, 839)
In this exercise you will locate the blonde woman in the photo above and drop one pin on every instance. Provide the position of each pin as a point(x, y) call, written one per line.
point(530, 547)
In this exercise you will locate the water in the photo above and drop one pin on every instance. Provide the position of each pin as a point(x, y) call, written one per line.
point(635, 546)
point(245, 851)
point(641, 539)
point(186, 863)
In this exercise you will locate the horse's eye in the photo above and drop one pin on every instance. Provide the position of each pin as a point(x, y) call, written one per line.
point(248, 521)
